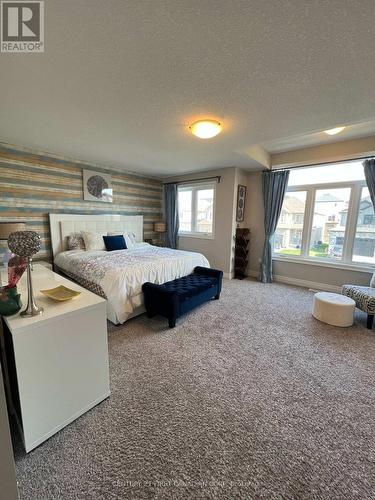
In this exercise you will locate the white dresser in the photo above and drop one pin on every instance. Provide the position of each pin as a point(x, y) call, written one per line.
point(57, 362)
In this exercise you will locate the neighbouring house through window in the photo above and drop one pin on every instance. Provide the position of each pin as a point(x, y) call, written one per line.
point(327, 215)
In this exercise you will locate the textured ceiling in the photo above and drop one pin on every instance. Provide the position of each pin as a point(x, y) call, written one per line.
point(121, 79)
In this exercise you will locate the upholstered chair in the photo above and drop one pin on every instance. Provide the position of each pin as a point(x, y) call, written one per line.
point(364, 297)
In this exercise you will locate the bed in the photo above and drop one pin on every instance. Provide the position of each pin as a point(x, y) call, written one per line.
point(117, 276)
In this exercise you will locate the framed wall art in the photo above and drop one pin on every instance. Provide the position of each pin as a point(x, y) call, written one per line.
point(97, 186)
point(241, 198)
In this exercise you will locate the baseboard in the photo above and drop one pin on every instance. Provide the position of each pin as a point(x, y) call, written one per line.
point(252, 274)
point(298, 282)
point(307, 284)
point(228, 276)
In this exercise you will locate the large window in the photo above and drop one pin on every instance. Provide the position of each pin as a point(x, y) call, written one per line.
point(327, 215)
point(364, 240)
point(196, 208)
point(288, 236)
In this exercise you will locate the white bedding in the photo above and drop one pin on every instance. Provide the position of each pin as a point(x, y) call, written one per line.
point(121, 274)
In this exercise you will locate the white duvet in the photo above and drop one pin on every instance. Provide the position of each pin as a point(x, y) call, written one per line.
point(121, 274)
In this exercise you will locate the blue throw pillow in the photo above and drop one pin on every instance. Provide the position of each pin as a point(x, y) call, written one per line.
point(114, 243)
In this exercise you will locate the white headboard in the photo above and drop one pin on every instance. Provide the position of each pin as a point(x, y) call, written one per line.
point(95, 223)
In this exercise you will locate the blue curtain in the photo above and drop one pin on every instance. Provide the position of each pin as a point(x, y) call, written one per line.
point(171, 214)
point(369, 168)
point(274, 185)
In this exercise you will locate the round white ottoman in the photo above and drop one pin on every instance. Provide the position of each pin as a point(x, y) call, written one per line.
point(333, 309)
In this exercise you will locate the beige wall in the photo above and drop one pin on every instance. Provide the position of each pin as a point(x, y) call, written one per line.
point(336, 151)
point(288, 270)
point(258, 154)
point(317, 274)
point(218, 250)
point(254, 216)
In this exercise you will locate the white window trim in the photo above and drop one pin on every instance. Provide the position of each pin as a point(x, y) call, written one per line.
point(196, 186)
point(350, 230)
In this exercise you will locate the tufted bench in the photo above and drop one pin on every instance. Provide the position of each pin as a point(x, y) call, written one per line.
point(177, 297)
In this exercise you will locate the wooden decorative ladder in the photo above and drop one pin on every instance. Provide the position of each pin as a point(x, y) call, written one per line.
point(241, 252)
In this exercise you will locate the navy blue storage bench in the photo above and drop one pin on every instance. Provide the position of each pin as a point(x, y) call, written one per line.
point(177, 297)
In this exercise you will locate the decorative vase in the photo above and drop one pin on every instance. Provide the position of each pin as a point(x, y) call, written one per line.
point(10, 301)
point(26, 244)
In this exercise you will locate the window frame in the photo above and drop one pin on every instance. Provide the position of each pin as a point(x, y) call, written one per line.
point(195, 187)
point(346, 262)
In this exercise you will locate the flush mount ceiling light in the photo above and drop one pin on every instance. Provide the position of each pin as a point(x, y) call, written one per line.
point(334, 131)
point(205, 129)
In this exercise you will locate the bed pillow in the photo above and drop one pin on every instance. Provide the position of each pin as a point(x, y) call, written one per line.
point(132, 238)
point(128, 241)
point(114, 242)
point(75, 242)
point(93, 241)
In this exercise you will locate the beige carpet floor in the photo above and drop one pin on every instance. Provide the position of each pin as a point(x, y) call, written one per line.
point(248, 397)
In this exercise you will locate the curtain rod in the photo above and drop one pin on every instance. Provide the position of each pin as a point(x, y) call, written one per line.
point(307, 165)
point(217, 177)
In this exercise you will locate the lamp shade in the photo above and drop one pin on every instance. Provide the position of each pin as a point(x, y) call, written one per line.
point(6, 228)
point(24, 243)
point(160, 227)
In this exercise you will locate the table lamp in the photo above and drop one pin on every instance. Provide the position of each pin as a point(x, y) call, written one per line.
point(26, 244)
point(160, 227)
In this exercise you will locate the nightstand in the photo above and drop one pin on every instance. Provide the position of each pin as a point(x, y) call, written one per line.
point(159, 243)
point(156, 243)
point(57, 362)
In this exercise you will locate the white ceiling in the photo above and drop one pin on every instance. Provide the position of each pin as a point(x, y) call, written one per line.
point(121, 79)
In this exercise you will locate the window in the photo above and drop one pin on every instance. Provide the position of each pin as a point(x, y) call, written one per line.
point(364, 240)
point(196, 208)
point(326, 238)
point(184, 209)
point(298, 218)
point(288, 236)
point(327, 215)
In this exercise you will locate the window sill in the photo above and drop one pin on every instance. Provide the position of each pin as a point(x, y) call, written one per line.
point(202, 236)
point(366, 268)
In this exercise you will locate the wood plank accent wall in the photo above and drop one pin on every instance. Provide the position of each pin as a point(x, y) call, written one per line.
point(34, 184)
